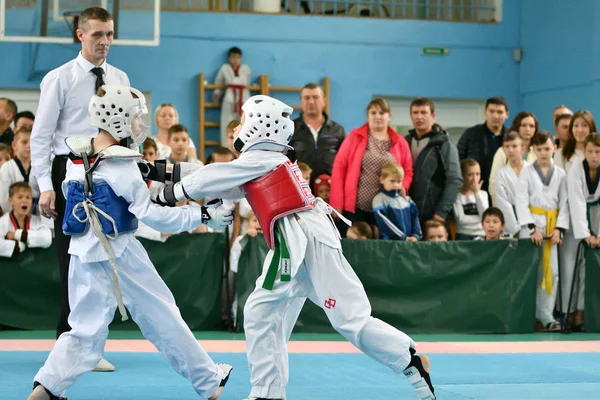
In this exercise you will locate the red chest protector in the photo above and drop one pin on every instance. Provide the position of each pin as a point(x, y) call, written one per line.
point(281, 192)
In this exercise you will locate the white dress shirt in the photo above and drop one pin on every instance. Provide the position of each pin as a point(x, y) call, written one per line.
point(63, 111)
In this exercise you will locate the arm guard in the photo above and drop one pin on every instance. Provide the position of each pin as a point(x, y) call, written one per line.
point(160, 171)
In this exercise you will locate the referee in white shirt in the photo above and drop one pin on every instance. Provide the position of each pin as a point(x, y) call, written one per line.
point(63, 112)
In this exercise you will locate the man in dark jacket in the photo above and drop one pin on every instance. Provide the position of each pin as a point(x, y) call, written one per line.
point(437, 177)
point(480, 142)
point(317, 138)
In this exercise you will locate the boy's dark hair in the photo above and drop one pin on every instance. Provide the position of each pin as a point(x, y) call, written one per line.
point(491, 212)
point(541, 138)
point(176, 129)
point(593, 138)
point(150, 143)
point(362, 229)
point(497, 100)
point(24, 114)
point(220, 151)
point(234, 50)
point(511, 136)
point(12, 189)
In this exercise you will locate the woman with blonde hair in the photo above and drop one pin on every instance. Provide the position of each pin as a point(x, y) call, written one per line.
point(165, 117)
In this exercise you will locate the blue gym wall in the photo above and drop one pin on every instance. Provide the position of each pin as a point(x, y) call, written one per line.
point(560, 42)
point(363, 57)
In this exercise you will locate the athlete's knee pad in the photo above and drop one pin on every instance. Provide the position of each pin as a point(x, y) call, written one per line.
point(419, 378)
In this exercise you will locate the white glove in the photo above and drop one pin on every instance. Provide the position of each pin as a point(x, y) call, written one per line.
point(216, 216)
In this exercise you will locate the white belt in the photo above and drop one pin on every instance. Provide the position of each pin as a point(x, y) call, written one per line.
point(91, 215)
point(323, 206)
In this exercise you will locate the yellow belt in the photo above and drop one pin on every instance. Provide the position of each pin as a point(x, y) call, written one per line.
point(551, 217)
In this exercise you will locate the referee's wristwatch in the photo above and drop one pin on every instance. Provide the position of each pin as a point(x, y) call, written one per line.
point(531, 228)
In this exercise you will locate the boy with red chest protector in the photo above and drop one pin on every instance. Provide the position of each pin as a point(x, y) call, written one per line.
point(305, 260)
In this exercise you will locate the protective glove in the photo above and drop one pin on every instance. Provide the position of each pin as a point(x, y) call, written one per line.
point(215, 216)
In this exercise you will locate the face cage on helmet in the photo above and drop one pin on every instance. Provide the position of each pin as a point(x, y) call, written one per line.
point(137, 128)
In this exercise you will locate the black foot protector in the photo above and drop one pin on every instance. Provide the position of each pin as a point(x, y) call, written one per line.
point(419, 378)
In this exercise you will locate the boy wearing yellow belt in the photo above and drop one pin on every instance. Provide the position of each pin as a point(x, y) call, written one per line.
point(543, 213)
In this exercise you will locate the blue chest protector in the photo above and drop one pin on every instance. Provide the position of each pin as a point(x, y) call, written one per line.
point(106, 200)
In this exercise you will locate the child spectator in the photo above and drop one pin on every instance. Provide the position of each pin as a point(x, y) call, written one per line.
point(543, 211)
point(322, 186)
point(306, 171)
point(18, 229)
point(150, 150)
point(493, 225)
point(18, 169)
point(397, 216)
point(179, 140)
point(5, 154)
point(221, 154)
point(507, 180)
point(236, 77)
point(253, 228)
point(359, 230)
point(470, 203)
point(435, 231)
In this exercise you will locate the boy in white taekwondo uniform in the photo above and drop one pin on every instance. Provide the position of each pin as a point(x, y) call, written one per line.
point(19, 230)
point(109, 268)
point(305, 260)
point(236, 76)
point(583, 189)
point(507, 180)
point(543, 212)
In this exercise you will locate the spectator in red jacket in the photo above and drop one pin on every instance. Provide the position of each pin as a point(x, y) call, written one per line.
point(355, 175)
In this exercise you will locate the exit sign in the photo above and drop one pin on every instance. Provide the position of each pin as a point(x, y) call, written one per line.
point(435, 51)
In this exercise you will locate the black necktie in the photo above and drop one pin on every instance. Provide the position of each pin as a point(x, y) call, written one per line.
point(99, 81)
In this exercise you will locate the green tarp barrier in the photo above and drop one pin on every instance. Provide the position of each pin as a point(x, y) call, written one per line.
point(417, 287)
point(469, 287)
point(592, 292)
point(191, 265)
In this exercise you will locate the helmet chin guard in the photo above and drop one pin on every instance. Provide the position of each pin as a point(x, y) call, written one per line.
point(120, 111)
point(267, 125)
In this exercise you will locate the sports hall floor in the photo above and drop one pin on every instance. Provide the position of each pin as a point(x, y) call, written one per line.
point(325, 367)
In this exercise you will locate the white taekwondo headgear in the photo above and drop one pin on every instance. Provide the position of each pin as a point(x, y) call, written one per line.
point(120, 111)
point(267, 125)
